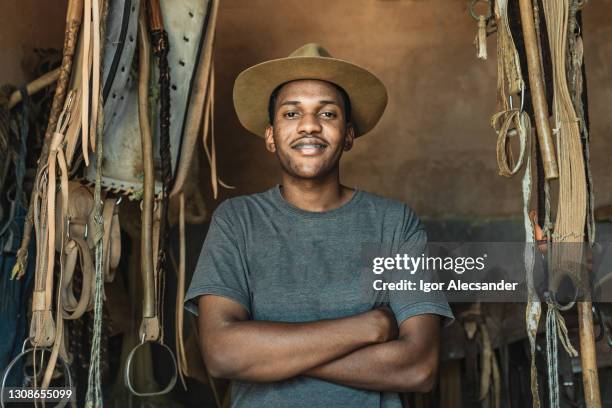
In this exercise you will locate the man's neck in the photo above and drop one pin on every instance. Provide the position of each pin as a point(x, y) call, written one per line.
point(315, 195)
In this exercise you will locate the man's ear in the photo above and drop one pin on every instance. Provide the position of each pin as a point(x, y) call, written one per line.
point(269, 139)
point(350, 137)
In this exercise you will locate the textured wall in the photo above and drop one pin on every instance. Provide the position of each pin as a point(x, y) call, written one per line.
point(24, 26)
point(433, 148)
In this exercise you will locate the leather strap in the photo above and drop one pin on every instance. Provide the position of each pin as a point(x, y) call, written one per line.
point(149, 329)
point(180, 294)
point(197, 103)
point(56, 156)
point(95, 82)
point(77, 249)
point(111, 239)
point(73, 22)
point(85, 70)
point(41, 316)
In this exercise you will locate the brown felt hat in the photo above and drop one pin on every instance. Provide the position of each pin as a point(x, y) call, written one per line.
point(254, 86)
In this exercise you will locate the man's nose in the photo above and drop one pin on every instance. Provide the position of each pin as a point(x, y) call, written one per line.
point(309, 123)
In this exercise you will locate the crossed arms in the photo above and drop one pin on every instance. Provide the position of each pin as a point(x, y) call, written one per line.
point(366, 351)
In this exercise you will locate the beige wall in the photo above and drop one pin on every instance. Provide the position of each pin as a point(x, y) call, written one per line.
point(24, 26)
point(433, 149)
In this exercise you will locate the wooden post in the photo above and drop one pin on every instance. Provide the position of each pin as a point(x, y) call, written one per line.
point(588, 356)
point(35, 86)
point(538, 96)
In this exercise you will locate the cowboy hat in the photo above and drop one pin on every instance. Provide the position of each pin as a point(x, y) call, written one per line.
point(254, 86)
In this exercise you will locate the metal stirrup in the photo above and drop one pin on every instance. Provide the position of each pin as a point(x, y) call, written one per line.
point(23, 353)
point(128, 364)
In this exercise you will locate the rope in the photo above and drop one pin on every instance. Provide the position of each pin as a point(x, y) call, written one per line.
point(555, 329)
point(481, 38)
point(533, 310)
point(509, 78)
point(502, 122)
point(572, 202)
point(93, 396)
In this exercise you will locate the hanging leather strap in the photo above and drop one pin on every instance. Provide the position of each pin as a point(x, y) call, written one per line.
point(42, 321)
point(180, 294)
point(199, 100)
point(85, 71)
point(95, 82)
point(149, 329)
point(56, 154)
point(73, 22)
point(77, 249)
point(112, 238)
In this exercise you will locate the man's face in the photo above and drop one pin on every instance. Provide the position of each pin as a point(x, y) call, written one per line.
point(310, 130)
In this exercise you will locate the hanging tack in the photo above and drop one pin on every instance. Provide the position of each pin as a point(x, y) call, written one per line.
point(481, 38)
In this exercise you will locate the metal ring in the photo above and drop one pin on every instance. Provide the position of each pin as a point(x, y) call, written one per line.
point(128, 364)
point(477, 16)
point(22, 354)
point(550, 296)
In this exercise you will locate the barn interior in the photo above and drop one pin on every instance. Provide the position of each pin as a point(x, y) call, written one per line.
point(435, 149)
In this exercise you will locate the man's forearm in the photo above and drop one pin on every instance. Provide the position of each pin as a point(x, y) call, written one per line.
point(380, 367)
point(399, 365)
point(273, 351)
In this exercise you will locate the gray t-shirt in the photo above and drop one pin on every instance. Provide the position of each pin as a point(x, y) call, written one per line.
point(286, 264)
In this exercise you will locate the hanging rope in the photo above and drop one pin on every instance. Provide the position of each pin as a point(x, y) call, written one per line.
point(555, 329)
point(568, 233)
point(93, 398)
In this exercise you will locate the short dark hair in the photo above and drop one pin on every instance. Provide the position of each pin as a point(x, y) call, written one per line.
point(346, 102)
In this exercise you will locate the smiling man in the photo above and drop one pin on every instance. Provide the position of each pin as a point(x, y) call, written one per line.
point(285, 309)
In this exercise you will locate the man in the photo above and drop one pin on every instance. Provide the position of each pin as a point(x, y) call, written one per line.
point(283, 309)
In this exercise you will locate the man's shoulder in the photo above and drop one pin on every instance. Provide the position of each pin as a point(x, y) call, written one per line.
point(239, 205)
point(388, 205)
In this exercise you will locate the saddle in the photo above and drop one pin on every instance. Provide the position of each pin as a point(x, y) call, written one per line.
point(185, 22)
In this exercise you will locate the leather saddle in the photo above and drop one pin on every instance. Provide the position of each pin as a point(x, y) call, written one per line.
point(185, 24)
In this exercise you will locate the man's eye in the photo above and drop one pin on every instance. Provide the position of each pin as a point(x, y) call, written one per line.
point(329, 114)
point(290, 115)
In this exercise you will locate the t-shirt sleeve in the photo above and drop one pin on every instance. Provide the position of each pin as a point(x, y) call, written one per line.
point(404, 303)
point(221, 269)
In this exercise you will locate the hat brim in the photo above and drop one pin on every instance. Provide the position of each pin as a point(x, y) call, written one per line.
point(254, 86)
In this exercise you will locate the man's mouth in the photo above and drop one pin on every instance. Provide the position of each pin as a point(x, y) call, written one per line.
point(309, 147)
